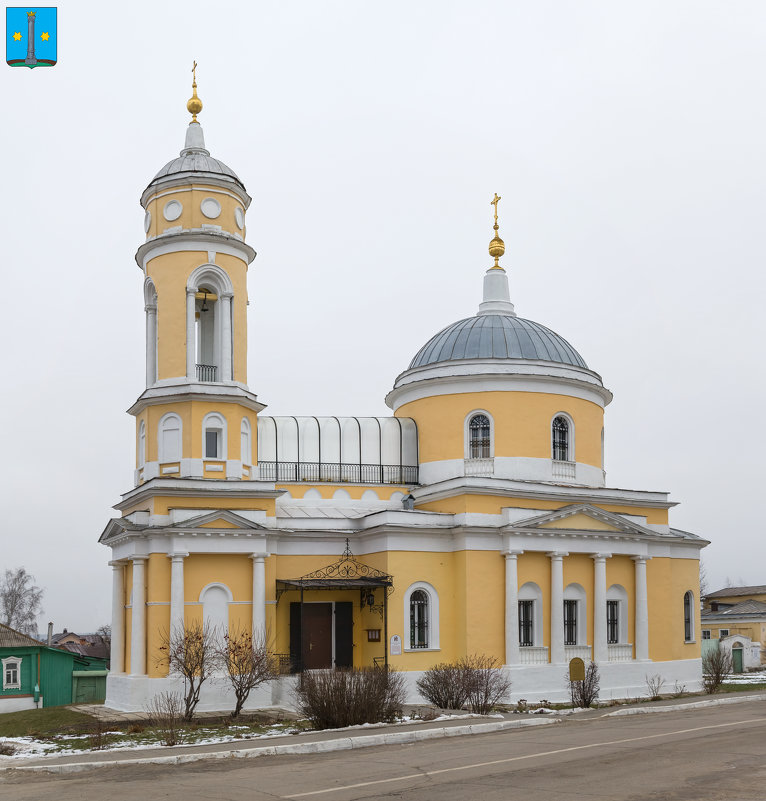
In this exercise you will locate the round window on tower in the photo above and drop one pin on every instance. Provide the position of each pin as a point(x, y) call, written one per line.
point(210, 207)
point(172, 210)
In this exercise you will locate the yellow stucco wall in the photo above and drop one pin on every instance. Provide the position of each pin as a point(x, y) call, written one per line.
point(522, 424)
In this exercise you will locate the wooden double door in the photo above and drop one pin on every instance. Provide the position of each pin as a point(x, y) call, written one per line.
point(322, 637)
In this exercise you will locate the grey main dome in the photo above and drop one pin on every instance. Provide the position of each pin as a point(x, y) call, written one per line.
point(497, 336)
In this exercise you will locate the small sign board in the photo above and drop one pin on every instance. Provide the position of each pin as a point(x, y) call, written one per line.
point(577, 669)
point(396, 645)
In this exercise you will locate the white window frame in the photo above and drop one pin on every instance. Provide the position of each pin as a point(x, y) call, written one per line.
point(707, 634)
point(618, 593)
point(571, 453)
point(576, 592)
point(692, 627)
point(161, 455)
point(8, 662)
point(216, 585)
point(723, 633)
point(467, 434)
point(214, 421)
point(142, 444)
point(245, 442)
point(529, 591)
point(433, 617)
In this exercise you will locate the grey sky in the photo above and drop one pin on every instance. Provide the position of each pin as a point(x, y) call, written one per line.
point(626, 140)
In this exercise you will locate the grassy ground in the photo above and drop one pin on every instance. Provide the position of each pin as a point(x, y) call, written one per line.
point(44, 722)
point(727, 687)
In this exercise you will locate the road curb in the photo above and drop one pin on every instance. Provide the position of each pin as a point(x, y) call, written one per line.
point(681, 707)
point(315, 747)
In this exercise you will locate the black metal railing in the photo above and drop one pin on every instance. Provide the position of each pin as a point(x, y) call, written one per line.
point(338, 473)
point(206, 372)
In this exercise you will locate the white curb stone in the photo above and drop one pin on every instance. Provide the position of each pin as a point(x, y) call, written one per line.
point(681, 707)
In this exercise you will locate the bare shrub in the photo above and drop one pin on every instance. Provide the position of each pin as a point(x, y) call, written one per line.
point(654, 685)
point(334, 699)
point(444, 686)
point(485, 681)
point(716, 666)
point(584, 693)
point(7, 749)
point(192, 653)
point(136, 728)
point(97, 734)
point(679, 690)
point(165, 712)
point(247, 663)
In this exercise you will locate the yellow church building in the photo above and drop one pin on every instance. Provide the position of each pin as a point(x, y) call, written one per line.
point(474, 520)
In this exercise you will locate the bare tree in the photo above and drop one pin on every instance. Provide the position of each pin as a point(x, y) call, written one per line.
point(487, 682)
point(192, 653)
point(716, 666)
point(247, 663)
point(704, 581)
point(105, 632)
point(20, 601)
point(585, 692)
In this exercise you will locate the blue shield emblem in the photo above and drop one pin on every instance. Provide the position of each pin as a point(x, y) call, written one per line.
point(31, 36)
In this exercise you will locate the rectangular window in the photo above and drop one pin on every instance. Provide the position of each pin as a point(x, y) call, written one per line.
point(211, 444)
point(526, 624)
point(723, 632)
point(11, 678)
point(705, 635)
point(570, 622)
point(612, 622)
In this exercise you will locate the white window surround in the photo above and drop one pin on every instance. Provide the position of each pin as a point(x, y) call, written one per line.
point(245, 442)
point(433, 617)
point(618, 593)
point(142, 444)
point(213, 421)
point(215, 599)
point(9, 663)
point(576, 592)
point(532, 592)
point(570, 436)
point(723, 633)
point(689, 598)
point(215, 280)
point(171, 446)
point(467, 433)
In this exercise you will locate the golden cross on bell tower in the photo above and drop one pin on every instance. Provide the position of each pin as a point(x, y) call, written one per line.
point(496, 246)
point(194, 105)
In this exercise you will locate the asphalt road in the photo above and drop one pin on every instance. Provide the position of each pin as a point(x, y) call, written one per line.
point(715, 753)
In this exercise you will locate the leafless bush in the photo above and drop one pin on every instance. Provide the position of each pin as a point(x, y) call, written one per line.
point(97, 734)
point(165, 714)
point(190, 652)
point(584, 693)
point(247, 663)
point(679, 690)
point(6, 748)
point(654, 685)
point(486, 682)
point(716, 666)
point(334, 699)
point(444, 686)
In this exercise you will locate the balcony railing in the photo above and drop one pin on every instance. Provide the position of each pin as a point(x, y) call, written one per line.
point(619, 652)
point(533, 655)
point(479, 467)
point(564, 469)
point(206, 372)
point(577, 651)
point(315, 472)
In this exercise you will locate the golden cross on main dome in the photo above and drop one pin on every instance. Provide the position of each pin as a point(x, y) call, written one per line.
point(194, 104)
point(496, 246)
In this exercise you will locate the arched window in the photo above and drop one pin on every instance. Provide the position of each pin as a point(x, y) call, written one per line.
point(560, 432)
point(214, 437)
point(421, 609)
point(142, 444)
point(208, 324)
point(245, 447)
point(478, 437)
point(530, 615)
point(616, 615)
point(575, 615)
point(689, 617)
point(169, 439)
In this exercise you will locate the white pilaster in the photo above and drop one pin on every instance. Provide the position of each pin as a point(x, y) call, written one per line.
point(600, 647)
point(177, 591)
point(138, 618)
point(226, 341)
point(557, 607)
point(642, 610)
point(259, 595)
point(117, 648)
point(191, 344)
point(512, 656)
point(151, 345)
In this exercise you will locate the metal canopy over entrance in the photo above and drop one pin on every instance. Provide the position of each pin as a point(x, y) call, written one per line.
point(348, 573)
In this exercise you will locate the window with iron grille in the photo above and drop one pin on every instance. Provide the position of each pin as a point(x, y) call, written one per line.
point(560, 439)
point(478, 437)
point(419, 619)
point(526, 624)
point(688, 619)
point(612, 622)
point(570, 622)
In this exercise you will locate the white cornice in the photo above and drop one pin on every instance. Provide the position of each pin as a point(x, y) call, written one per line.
point(183, 180)
point(193, 240)
point(202, 488)
point(185, 390)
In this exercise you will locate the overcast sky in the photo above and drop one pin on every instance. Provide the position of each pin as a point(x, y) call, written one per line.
point(626, 141)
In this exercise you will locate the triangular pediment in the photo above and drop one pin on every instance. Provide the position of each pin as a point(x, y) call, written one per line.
point(219, 519)
point(580, 517)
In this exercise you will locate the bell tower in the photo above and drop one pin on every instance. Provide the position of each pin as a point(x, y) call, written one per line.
point(196, 417)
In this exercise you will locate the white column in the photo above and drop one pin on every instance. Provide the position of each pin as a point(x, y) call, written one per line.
point(642, 610)
point(226, 342)
point(117, 649)
point(177, 591)
point(600, 647)
point(259, 595)
point(557, 607)
point(138, 625)
point(191, 344)
point(151, 345)
point(512, 656)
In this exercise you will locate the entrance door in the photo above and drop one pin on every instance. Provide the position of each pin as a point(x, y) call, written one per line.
point(317, 636)
point(736, 658)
